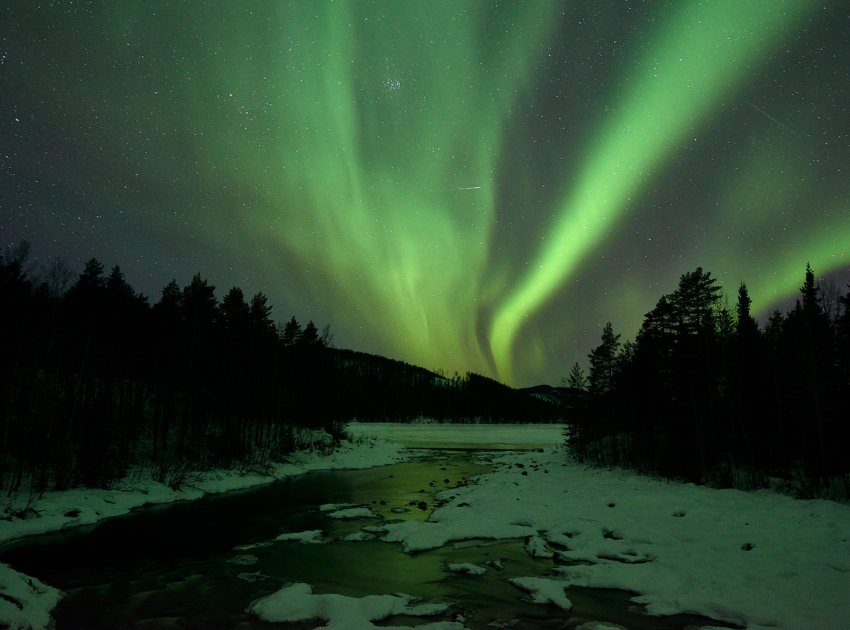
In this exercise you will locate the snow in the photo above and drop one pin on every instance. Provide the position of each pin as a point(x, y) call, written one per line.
point(312, 537)
point(536, 548)
point(359, 537)
point(333, 507)
point(352, 513)
point(465, 567)
point(298, 603)
point(25, 602)
point(92, 505)
point(544, 591)
point(419, 536)
point(757, 559)
point(82, 506)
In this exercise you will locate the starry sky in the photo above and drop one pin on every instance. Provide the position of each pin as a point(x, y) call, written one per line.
point(465, 185)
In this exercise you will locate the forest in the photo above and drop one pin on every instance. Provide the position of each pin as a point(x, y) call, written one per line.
point(97, 382)
point(704, 394)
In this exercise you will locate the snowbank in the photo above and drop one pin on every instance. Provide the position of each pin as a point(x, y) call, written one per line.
point(83, 506)
point(756, 559)
point(29, 601)
point(298, 603)
point(25, 602)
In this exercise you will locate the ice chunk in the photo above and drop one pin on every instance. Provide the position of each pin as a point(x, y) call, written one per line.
point(359, 537)
point(351, 513)
point(298, 603)
point(536, 548)
point(313, 537)
point(333, 507)
point(465, 567)
point(544, 591)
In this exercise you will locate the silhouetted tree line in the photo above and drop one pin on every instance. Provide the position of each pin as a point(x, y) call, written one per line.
point(704, 395)
point(96, 381)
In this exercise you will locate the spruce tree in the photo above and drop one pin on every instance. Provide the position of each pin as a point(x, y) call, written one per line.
point(576, 380)
point(603, 362)
point(291, 332)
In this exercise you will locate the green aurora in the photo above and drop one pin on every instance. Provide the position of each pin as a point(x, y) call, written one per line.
point(455, 184)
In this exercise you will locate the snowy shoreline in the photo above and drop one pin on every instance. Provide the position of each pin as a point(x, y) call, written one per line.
point(757, 559)
point(66, 509)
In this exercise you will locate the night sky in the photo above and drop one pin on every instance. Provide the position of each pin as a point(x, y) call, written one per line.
point(461, 185)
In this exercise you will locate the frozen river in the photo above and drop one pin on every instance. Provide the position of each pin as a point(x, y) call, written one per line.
point(181, 566)
point(464, 436)
point(546, 543)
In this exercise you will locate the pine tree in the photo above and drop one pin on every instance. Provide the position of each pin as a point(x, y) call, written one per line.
point(291, 333)
point(812, 353)
point(577, 379)
point(310, 337)
point(747, 327)
point(262, 324)
point(235, 313)
point(603, 362)
point(695, 302)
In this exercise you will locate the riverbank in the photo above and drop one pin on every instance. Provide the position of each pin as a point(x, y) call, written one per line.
point(755, 559)
point(26, 603)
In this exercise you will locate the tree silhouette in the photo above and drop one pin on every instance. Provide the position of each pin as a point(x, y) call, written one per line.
point(291, 332)
point(603, 362)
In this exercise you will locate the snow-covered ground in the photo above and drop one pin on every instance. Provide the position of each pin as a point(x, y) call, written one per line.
point(757, 559)
point(26, 603)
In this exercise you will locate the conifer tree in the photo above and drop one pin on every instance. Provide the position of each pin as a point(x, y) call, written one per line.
point(603, 362)
point(576, 379)
point(291, 333)
point(262, 324)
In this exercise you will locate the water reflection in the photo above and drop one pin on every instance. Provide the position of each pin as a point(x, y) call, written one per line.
point(167, 566)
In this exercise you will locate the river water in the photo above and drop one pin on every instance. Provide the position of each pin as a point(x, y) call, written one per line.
point(173, 566)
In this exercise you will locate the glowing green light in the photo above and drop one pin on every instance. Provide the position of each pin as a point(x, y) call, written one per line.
point(383, 179)
point(707, 50)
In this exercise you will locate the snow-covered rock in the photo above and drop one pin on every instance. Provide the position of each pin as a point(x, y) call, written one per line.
point(312, 537)
point(26, 602)
point(299, 603)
